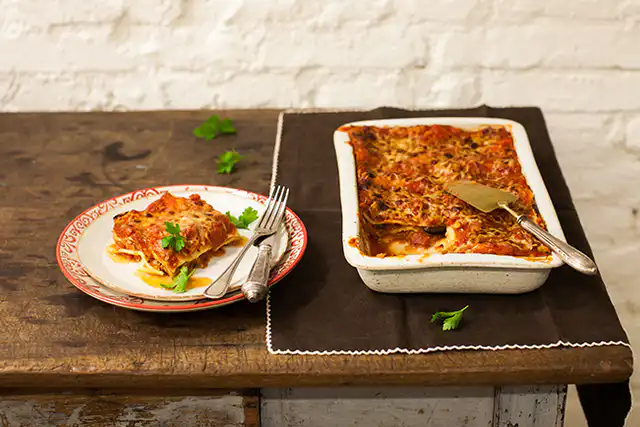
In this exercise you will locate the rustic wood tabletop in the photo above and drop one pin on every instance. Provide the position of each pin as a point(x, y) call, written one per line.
point(55, 165)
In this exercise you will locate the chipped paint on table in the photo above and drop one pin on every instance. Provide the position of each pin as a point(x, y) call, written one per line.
point(508, 406)
point(519, 406)
point(525, 406)
point(105, 410)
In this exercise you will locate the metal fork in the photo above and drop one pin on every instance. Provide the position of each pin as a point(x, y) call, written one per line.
point(255, 288)
point(267, 225)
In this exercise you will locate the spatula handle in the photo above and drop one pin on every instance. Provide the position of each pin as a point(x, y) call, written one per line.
point(570, 255)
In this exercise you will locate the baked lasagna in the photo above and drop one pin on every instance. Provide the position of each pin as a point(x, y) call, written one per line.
point(145, 236)
point(404, 209)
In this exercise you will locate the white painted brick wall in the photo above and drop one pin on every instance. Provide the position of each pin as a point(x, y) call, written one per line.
point(577, 59)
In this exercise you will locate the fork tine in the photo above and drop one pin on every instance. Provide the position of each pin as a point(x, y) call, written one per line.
point(282, 206)
point(273, 203)
point(267, 210)
point(279, 205)
point(276, 202)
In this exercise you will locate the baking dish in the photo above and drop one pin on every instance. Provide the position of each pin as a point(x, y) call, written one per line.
point(451, 272)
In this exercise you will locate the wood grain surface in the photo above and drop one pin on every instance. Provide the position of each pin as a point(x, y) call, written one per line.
point(55, 165)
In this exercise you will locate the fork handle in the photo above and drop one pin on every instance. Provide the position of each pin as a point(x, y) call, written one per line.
point(570, 255)
point(219, 286)
point(255, 288)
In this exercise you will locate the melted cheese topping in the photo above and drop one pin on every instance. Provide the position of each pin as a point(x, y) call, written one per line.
point(139, 234)
point(404, 208)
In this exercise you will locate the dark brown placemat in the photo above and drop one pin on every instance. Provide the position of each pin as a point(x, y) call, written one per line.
point(328, 309)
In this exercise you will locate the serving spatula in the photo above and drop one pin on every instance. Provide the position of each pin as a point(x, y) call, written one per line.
point(487, 199)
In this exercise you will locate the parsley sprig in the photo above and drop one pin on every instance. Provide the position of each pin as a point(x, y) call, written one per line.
point(174, 239)
point(210, 129)
point(227, 161)
point(179, 284)
point(450, 319)
point(247, 217)
point(213, 127)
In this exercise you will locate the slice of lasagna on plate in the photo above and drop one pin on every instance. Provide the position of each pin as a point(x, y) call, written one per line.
point(171, 233)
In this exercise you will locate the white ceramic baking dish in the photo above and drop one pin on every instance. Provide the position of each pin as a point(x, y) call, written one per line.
point(456, 273)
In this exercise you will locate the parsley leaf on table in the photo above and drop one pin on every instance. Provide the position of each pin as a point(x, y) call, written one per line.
point(226, 126)
point(174, 239)
point(179, 284)
point(450, 319)
point(247, 217)
point(214, 126)
point(227, 161)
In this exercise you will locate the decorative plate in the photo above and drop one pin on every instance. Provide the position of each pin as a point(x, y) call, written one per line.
point(82, 256)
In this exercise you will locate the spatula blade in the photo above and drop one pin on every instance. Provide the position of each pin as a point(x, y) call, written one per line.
point(479, 196)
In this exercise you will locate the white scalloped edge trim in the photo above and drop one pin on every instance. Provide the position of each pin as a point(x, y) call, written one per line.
point(276, 152)
point(397, 350)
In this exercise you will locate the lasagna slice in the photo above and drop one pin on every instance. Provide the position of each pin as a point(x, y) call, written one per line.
point(138, 235)
point(401, 172)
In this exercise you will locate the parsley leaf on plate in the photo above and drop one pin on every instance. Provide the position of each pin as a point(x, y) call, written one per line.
point(227, 161)
point(179, 284)
point(180, 281)
point(247, 217)
point(450, 319)
point(174, 239)
point(213, 127)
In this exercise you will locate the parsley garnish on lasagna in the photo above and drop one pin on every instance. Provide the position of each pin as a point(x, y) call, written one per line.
point(172, 233)
point(404, 208)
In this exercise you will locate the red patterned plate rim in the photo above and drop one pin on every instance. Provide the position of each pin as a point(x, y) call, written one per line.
point(67, 256)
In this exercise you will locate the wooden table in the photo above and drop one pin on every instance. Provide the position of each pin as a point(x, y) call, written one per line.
point(120, 367)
